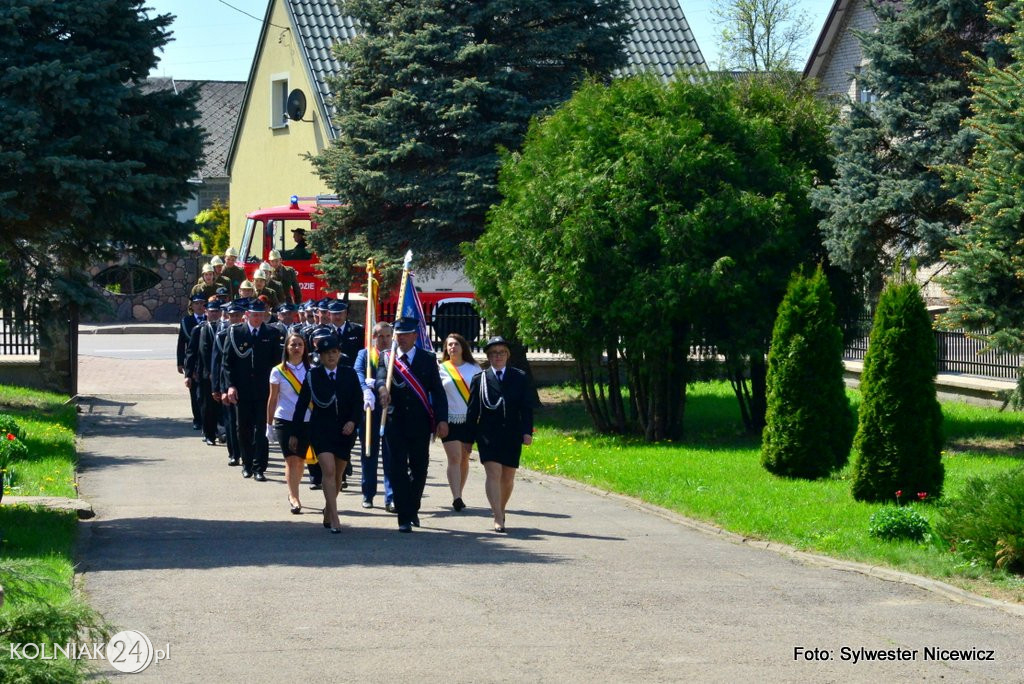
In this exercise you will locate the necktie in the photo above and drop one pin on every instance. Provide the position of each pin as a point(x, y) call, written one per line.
point(331, 375)
point(500, 374)
point(405, 358)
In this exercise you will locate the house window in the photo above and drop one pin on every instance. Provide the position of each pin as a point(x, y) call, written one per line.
point(278, 100)
point(862, 94)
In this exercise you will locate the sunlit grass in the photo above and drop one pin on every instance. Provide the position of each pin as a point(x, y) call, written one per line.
point(714, 474)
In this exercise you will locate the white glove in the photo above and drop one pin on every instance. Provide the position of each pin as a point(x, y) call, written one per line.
point(270, 432)
point(369, 402)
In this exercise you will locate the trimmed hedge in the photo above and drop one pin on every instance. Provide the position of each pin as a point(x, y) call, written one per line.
point(809, 425)
point(899, 434)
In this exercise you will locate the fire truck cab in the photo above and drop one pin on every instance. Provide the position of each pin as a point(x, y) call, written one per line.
point(446, 294)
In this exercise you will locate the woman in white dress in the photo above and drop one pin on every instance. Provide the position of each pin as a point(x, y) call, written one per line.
point(458, 367)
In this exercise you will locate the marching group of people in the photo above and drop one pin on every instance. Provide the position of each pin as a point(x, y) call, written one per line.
point(263, 366)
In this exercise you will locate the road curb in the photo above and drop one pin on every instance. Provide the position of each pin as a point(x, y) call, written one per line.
point(948, 591)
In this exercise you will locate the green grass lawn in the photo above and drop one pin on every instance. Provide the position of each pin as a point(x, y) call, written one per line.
point(49, 423)
point(715, 475)
point(37, 544)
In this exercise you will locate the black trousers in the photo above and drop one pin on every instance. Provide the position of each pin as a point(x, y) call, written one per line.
point(407, 471)
point(211, 409)
point(252, 433)
point(231, 413)
point(197, 403)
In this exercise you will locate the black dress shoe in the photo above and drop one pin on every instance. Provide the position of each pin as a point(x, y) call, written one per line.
point(246, 472)
point(209, 442)
point(196, 426)
point(234, 462)
point(389, 507)
point(316, 485)
point(259, 476)
point(415, 521)
point(405, 528)
point(458, 504)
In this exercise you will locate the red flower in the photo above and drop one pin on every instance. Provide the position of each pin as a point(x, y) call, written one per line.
point(899, 493)
point(922, 495)
point(10, 437)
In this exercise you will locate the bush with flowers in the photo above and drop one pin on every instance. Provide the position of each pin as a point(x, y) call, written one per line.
point(11, 449)
point(900, 522)
point(8, 425)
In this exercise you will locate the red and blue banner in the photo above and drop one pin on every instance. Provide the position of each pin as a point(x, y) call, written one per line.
point(412, 308)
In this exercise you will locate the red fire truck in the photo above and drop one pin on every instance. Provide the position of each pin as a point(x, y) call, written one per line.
point(444, 294)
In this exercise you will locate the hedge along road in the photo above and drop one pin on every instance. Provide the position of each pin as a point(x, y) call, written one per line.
point(584, 587)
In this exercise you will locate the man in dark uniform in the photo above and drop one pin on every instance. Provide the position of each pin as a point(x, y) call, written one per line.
point(198, 365)
point(351, 335)
point(417, 408)
point(235, 313)
point(188, 323)
point(252, 350)
point(300, 251)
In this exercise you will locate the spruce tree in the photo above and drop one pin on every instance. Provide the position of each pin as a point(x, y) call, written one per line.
point(887, 198)
point(809, 425)
point(899, 432)
point(428, 93)
point(92, 168)
point(987, 259)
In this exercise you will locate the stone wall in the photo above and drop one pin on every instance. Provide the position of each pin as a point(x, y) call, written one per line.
point(166, 302)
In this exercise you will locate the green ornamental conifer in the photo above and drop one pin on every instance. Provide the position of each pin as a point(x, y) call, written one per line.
point(809, 425)
point(899, 435)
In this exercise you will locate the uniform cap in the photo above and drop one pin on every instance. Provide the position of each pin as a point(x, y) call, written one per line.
point(246, 284)
point(497, 339)
point(257, 306)
point(287, 306)
point(326, 343)
point(198, 298)
point(231, 251)
point(216, 261)
point(408, 324)
point(207, 268)
point(274, 254)
point(214, 305)
point(237, 306)
point(337, 306)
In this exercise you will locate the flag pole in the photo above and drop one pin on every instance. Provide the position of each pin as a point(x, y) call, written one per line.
point(371, 317)
point(407, 262)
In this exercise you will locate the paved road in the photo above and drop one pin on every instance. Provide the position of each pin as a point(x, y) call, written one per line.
point(583, 588)
point(129, 347)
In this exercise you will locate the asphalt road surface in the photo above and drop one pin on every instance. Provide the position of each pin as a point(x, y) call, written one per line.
point(129, 347)
point(231, 587)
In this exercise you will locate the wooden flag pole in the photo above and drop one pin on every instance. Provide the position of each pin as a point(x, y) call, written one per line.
point(371, 316)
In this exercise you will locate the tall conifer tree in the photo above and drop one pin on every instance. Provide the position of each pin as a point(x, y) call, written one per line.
point(91, 167)
point(987, 281)
point(887, 198)
point(428, 93)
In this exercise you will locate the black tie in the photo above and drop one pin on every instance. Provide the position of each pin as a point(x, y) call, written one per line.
point(500, 374)
point(405, 358)
point(331, 375)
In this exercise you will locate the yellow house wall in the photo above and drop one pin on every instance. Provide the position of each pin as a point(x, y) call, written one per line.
point(268, 166)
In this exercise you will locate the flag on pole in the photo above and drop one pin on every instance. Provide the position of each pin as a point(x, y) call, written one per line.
point(412, 308)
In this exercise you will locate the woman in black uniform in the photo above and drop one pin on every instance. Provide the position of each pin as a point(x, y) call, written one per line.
point(337, 403)
point(500, 417)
